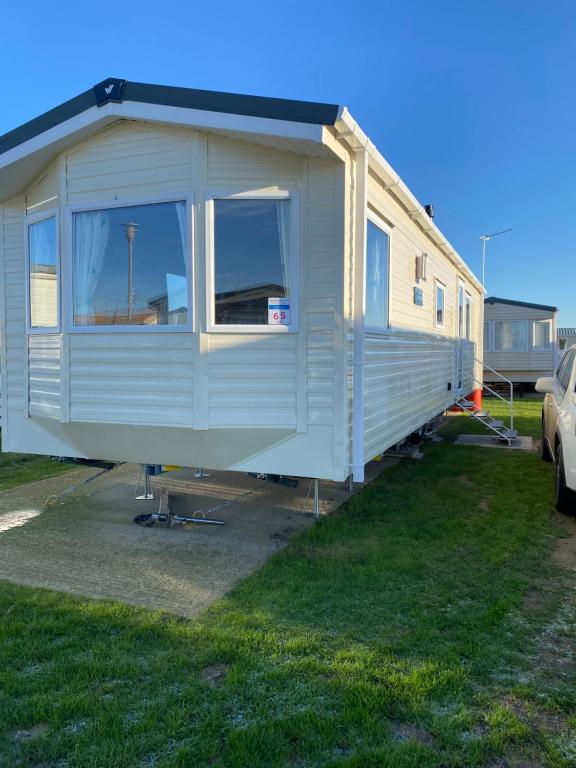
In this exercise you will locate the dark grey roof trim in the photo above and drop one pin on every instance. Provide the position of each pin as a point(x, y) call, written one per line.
point(313, 113)
point(495, 300)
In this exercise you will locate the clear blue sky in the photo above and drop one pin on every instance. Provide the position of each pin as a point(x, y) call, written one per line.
point(473, 103)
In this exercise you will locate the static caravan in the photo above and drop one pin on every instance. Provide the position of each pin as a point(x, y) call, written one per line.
point(226, 281)
point(519, 341)
point(566, 338)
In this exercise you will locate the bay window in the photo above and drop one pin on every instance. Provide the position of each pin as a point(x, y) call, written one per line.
point(252, 269)
point(129, 266)
point(377, 265)
point(43, 272)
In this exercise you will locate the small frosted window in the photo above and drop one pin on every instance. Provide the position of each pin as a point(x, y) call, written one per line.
point(377, 256)
point(130, 266)
point(43, 274)
point(468, 317)
point(251, 259)
point(440, 293)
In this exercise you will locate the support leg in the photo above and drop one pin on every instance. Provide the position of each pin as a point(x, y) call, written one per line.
point(316, 498)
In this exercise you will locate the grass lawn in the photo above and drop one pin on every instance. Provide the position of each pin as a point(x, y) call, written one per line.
point(426, 624)
point(19, 468)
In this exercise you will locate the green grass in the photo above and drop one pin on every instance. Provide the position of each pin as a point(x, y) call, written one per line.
point(19, 468)
point(391, 634)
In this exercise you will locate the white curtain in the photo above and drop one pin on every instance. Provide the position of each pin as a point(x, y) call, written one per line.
point(283, 219)
point(91, 229)
point(511, 335)
point(542, 334)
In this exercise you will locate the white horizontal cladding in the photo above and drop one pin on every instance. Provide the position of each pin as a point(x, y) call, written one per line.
point(408, 379)
point(44, 375)
point(21, 163)
point(252, 380)
point(14, 342)
point(521, 360)
point(469, 382)
point(131, 378)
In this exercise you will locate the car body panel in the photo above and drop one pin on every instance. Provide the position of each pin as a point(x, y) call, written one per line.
point(559, 417)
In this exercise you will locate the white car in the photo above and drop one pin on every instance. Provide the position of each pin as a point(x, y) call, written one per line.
point(559, 428)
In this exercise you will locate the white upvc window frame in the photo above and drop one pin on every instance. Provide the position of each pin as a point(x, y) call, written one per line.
point(68, 263)
point(438, 284)
point(294, 259)
point(36, 218)
point(549, 324)
point(379, 222)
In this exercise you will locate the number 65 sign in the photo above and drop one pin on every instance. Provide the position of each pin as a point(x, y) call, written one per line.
point(279, 311)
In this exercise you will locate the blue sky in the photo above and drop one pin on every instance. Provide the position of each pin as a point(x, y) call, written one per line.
point(473, 103)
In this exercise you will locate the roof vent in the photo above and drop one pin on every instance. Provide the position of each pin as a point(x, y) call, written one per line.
point(429, 210)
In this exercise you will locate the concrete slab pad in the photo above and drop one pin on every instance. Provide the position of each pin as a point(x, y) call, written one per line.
point(489, 441)
point(88, 544)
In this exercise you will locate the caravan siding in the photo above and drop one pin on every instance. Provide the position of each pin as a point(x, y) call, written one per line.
point(409, 372)
point(288, 382)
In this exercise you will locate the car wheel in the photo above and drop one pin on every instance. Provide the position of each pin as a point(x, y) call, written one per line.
point(565, 499)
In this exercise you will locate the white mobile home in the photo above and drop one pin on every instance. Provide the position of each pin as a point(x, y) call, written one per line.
point(566, 338)
point(226, 281)
point(519, 340)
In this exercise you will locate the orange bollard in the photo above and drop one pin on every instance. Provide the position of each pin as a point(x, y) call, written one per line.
point(477, 398)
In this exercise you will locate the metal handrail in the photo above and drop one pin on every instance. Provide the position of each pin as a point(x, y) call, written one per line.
point(477, 381)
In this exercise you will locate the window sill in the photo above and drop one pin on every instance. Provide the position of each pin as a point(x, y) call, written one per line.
point(44, 331)
point(251, 329)
point(80, 329)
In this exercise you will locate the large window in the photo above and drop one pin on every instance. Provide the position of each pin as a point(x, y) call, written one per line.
point(129, 266)
point(510, 335)
point(253, 265)
point(377, 257)
point(43, 273)
point(541, 338)
point(440, 304)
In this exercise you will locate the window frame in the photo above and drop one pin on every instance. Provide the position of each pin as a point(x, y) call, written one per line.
point(36, 218)
point(294, 259)
point(439, 284)
point(534, 346)
point(189, 259)
point(373, 217)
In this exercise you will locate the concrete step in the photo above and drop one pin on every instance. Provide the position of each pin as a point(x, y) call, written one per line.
point(495, 424)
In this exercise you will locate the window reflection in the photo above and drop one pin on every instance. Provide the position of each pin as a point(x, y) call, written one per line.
point(130, 266)
point(43, 276)
point(251, 258)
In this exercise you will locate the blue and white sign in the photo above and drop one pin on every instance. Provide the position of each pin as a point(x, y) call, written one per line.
point(279, 311)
